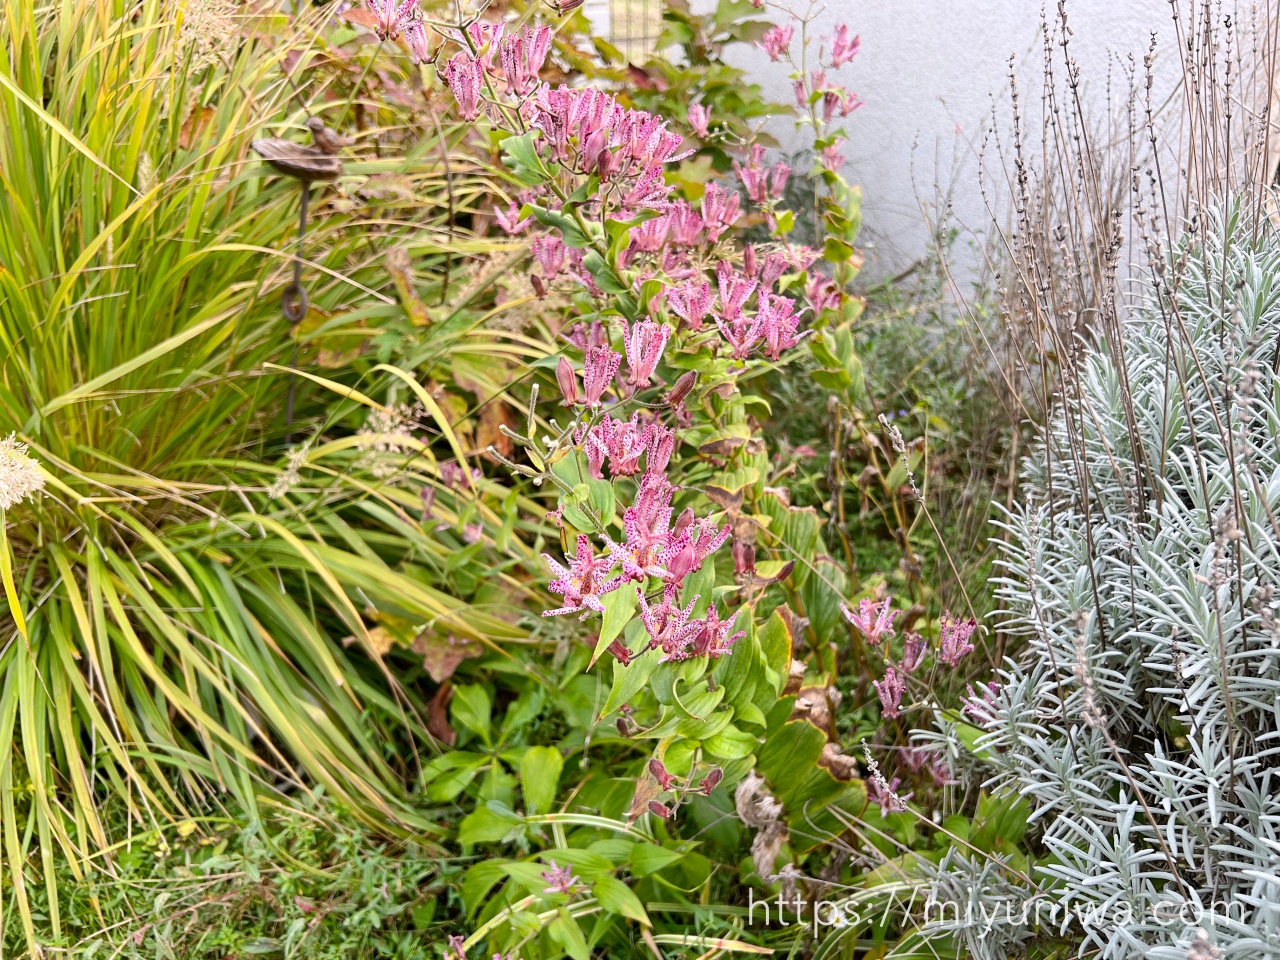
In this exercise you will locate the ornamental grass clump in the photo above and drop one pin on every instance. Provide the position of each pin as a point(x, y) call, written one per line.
point(1140, 719)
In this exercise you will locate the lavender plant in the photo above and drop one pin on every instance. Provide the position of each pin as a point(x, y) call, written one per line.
point(1140, 719)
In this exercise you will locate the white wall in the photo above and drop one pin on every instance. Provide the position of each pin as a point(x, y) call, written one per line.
point(930, 72)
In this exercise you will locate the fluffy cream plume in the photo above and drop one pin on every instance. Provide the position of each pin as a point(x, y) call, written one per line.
point(20, 475)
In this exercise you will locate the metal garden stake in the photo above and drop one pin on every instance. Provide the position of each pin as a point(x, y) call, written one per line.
point(306, 165)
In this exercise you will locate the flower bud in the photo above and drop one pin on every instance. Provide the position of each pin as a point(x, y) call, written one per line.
point(568, 381)
point(660, 773)
point(683, 523)
point(659, 810)
point(682, 388)
point(712, 780)
point(749, 265)
point(744, 557)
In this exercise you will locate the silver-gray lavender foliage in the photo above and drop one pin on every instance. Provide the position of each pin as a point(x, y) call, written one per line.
point(1142, 718)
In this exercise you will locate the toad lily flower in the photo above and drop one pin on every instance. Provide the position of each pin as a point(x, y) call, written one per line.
point(954, 643)
point(689, 547)
point(465, 78)
point(713, 639)
point(651, 236)
point(843, 47)
point(735, 290)
point(598, 371)
point(582, 583)
point(890, 691)
point(914, 649)
point(685, 224)
point(509, 220)
point(699, 119)
point(559, 879)
point(741, 334)
point(391, 17)
point(776, 42)
point(644, 344)
point(873, 620)
point(522, 55)
point(668, 625)
point(778, 324)
point(719, 211)
point(621, 442)
point(691, 301)
point(550, 252)
point(486, 38)
point(415, 37)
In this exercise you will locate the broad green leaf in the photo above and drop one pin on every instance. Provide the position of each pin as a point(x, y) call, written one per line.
point(471, 708)
point(567, 227)
point(490, 823)
point(730, 744)
point(835, 250)
point(450, 773)
point(520, 155)
point(619, 608)
point(478, 881)
point(776, 645)
point(629, 680)
point(566, 932)
point(616, 897)
point(789, 754)
point(540, 777)
point(647, 858)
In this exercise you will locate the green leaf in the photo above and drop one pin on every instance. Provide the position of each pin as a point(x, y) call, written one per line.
point(604, 275)
point(647, 858)
point(776, 643)
point(477, 883)
point(629, 680)
point(836, 251)
point(540, 777)
point(566, 932)
point(472, 709)
point(450, 773)
point(525, 709)
point(619, 608)
point(790, 753)
point(568, 228)
point(491, 823)
point(834, 380)
point(521, 157)
point(730, 744)
point(616, 897)
point(591, 504)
